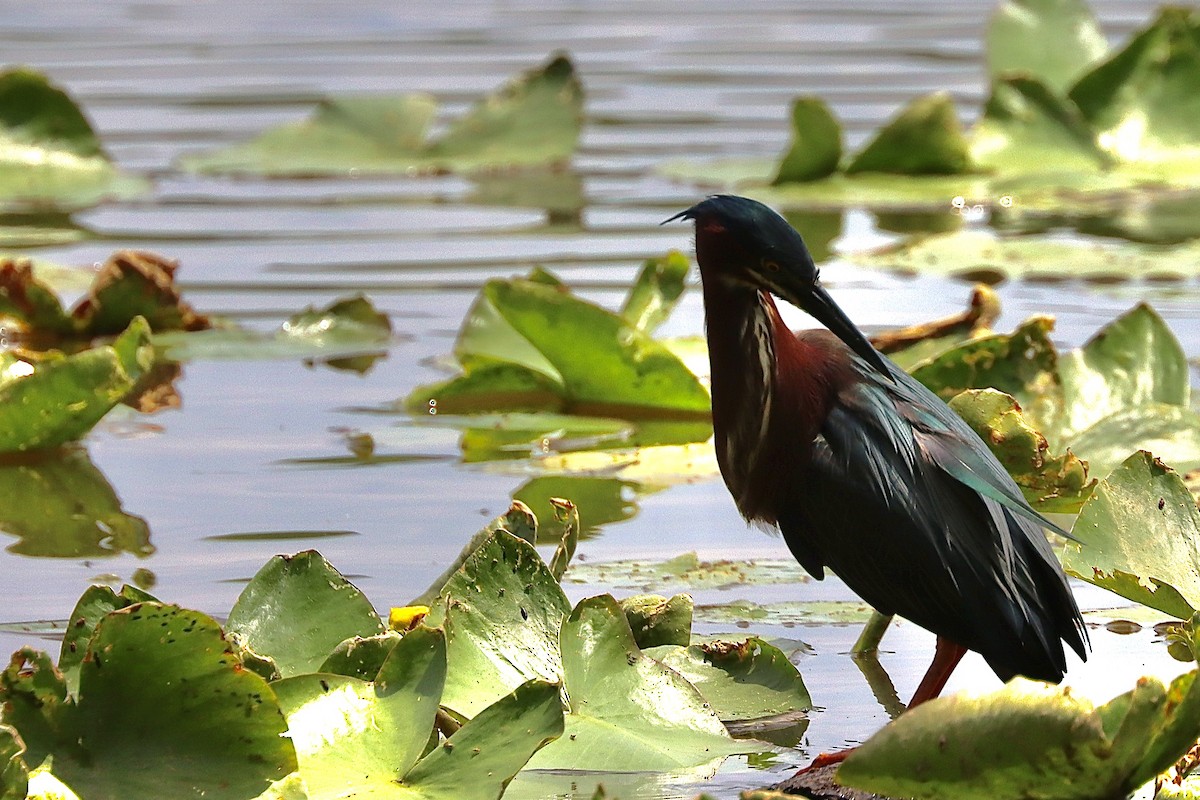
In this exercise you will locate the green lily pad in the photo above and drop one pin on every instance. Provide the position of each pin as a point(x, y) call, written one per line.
point(685, 571)
point(925, 138)
point(659, 621)
point(166, 709)
point(95, 603)
point(743, 680)
point(816, 148)
point(1143, 102)
point(524, 339)
point(1054, 41)
point(1055, 744)
point(60, 398)
point(787, 613)
point(67, 509)
point(628, 712)
point(1050, 483)
point(50, 157)
point(1023, 364)
point(1026, 127)
point(358, 736)
point(297, 609)
point(14, 775)
point(348, 326)
point(1171, 432)
point(502, 611)
point(1139, 536)
point(533, 121)
point(656, 290)
point(361, 657)
point(1133, 361)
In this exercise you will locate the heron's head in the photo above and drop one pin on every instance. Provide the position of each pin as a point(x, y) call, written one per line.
point(742, 243)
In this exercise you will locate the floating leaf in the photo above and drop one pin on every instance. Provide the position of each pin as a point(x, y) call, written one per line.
point(534, 120)
point(743, 680)
point(357, 736)
point(1050, 483)
point(1143, 100)
point(297, 609)
point(1054, 41)
point(816, 147)
point(50, 157)
point(1026, 127)
point(685, 571)
point(93, 605)
point(925, 138)
point(502, 611)
point(1171, 432)
point(1133, 361)
point(787, 613)
point(656, 620)
point(627, 711)
point(60, 398)
point(656, 290)
point(166, 709)
point(1055, 745)
point(524, 339)
point(1139, 536)
point(62, 506)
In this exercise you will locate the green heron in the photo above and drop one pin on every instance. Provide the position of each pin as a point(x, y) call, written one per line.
point(863, 469)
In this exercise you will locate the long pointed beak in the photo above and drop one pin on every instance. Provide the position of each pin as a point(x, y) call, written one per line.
point(821, 307)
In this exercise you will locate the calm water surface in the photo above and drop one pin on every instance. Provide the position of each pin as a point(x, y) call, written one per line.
point(664, 80)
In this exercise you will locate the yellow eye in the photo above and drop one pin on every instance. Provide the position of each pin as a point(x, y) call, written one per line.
point(770, 266)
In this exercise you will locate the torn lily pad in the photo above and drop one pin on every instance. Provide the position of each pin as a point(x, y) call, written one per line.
point(925, 138)
point(1139, 536)
point(533, 121)
point(58, 399)
point(50, 158)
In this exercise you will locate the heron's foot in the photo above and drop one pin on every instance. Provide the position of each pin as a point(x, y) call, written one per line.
point(827, 760)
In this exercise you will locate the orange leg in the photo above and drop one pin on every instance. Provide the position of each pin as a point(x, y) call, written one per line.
point(945, 658)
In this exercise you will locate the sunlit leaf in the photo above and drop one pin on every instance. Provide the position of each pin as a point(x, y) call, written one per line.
point(50, 157)
point(925, 138)
point(502, 611)
point(1171, 432)
point(743, 680)
point(1054, 41)
point(1054, 744)
point(1050, 483)
point(58, 398)
point(1139, 536)
point(534, 120)
point(62, 506)
point(627, 711)
point(816, 147)
point(351, 733)
point(1143, 100)
point(297, 609)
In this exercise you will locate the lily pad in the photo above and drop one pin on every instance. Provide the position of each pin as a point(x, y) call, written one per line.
point(95, 603)
point(528, 344)
point(297, 609)
point(1054, 41)
point(61, 506)
point(361, 656)
point(685, 571)
point(925, 138)
point(816, 148)
point(1055, 744)
point(655, 291)
point(659, 621)
point(14, 775)
point(1170, 432)
point(50, 158)
point(1050, 483)
point(1139, 536)
point(1143, 100)
point(58, 399)
point(787, 613)
point(1132, 362)
point(627, 711)
point(533, 121)
point(502, 611)
point(743, 680)
point(165, 709)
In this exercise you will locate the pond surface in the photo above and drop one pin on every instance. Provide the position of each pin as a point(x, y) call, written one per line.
point(230, 479)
